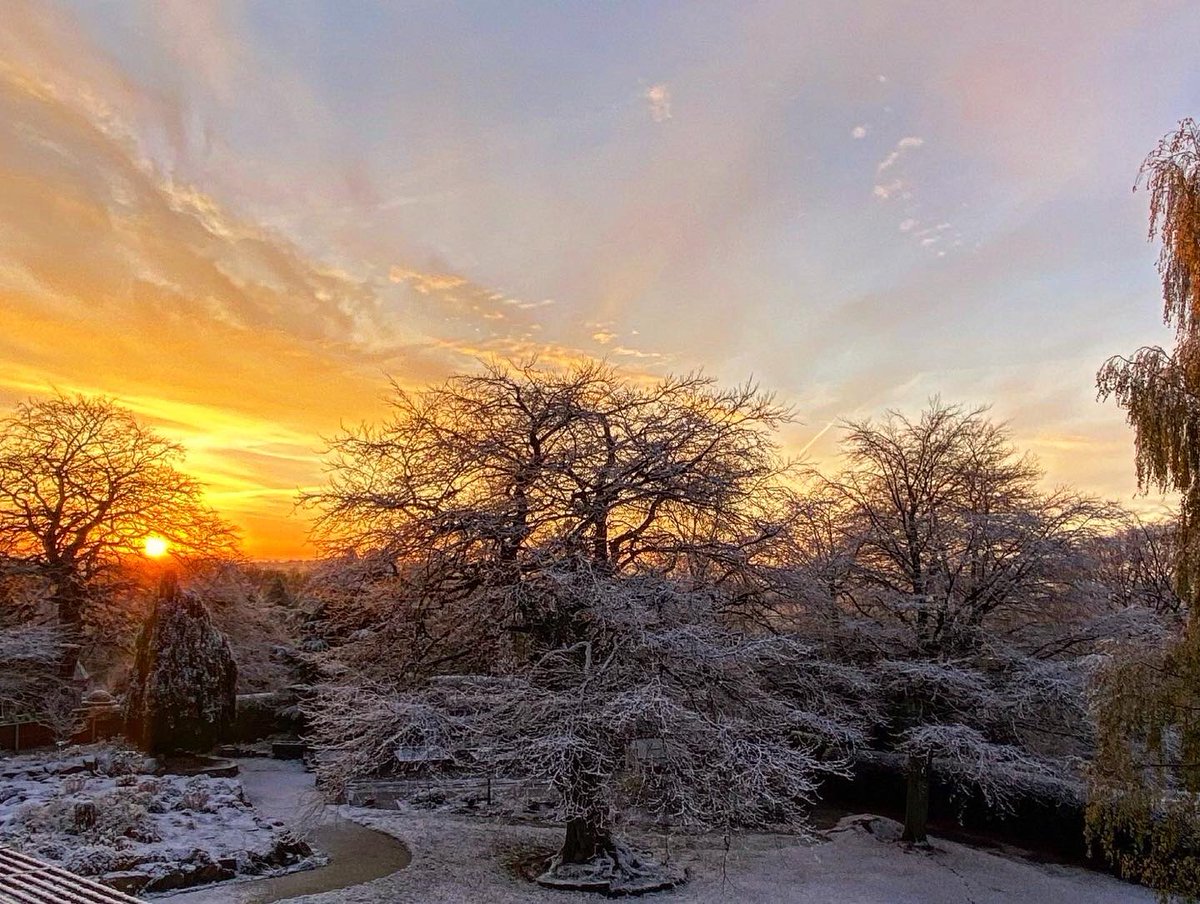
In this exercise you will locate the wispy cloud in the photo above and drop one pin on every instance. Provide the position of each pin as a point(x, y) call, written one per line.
point(902, 146)
point(627, 352)
point(426, 283)
point(886, 190)
point(658, 100)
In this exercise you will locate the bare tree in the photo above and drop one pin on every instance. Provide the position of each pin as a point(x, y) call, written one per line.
point(478, 484)
point(518, 458)
point(82, 484)
point(1136, 565)
point(947, 542)
point(579, 537)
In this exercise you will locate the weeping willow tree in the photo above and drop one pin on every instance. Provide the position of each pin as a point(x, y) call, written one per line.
point(1160, 390)
point(1144, 806)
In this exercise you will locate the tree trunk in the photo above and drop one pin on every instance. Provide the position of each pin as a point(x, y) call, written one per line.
point(585, 840)
point(916, 806)
point(70, 597)
point(600, 538)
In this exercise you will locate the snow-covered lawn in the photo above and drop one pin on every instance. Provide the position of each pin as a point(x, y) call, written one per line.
point(462, 859)
point(458, 859)
point(98, 812)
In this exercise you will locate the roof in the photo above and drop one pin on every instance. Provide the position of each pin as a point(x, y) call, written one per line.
point(24, 880)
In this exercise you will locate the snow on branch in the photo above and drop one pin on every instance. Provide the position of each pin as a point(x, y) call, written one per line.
point(650, 706)
point(29, 662)
point(965, 756)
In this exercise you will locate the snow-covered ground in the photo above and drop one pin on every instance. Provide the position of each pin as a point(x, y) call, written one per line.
point(462, 859)
point(457, 859)
point(98, 812)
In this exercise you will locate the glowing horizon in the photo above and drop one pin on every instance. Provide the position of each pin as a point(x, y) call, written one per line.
point(239, 219)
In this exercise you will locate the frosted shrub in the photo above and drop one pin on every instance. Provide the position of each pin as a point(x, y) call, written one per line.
point(195, 798)
point(121, 762)
point(104, 820)
point(184, 687)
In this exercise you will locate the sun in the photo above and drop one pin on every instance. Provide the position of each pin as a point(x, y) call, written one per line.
point(155, 547)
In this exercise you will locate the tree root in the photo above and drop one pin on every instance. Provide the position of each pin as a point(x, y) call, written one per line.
point(616, 872)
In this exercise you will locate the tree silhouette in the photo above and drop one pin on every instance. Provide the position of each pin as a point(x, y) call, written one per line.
point(82, 484)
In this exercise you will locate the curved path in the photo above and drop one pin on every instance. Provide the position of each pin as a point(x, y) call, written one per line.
point(282, 790)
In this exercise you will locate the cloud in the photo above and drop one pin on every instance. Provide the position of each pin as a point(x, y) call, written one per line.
point(859, 132)
point(908, 225)
point(144, 238)
point(636, 353)
point(468, 303)
point(887, 190)
point(425, 283)
point(604, 336)
point(904, 144)
point(658, 98)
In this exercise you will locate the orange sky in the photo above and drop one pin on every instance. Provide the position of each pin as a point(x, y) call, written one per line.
point(240, 221)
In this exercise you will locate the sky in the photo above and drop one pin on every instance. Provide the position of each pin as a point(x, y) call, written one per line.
point(241, 218)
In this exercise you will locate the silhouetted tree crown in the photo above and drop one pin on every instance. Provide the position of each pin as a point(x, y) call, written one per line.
point(82, 484)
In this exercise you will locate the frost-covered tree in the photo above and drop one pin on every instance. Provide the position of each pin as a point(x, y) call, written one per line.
point(183, 690)
point(946, 547)
point(31, 663)
point(474, 486)
point(570, 546)
point(1136, 565)
point(645, 704)
point(82, 483)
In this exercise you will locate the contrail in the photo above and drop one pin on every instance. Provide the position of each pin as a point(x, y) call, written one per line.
point(823, 431)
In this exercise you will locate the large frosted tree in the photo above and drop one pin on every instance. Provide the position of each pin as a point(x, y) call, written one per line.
point(549, 559)
point(941, 546)
point(476, 485)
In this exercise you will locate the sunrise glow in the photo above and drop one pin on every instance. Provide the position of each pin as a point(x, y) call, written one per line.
point(855, 207)
point(600, 445)
point(155, 547)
